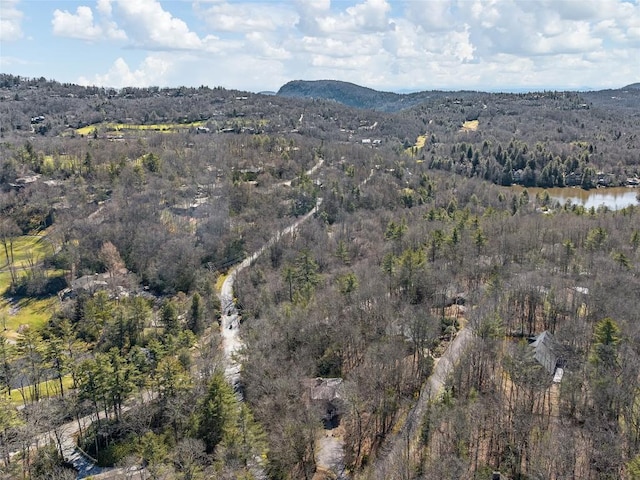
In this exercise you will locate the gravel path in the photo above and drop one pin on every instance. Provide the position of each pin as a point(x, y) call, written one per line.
point(393, 459)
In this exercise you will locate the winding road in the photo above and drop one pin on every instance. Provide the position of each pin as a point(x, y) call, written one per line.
point(230, 322)
point(394, 460)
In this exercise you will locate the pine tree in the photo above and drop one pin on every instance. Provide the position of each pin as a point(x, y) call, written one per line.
point(196, 315)
point(217, 413)
point(169, 317)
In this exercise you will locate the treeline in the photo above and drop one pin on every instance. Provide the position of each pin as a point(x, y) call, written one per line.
point(518, 164)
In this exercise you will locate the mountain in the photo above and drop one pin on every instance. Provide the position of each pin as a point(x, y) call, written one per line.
point(342, 92)
point(360, 97)
point(626, 99)
point(356, 96)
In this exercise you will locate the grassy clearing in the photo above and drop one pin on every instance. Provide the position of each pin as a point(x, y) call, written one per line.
point(26, 311)
point(219, 281)
point(88, 130)
point(470, 126)
point(421, 141)
point(26, 249)
point(50, 388)
point(55, 163)
point(103, 128)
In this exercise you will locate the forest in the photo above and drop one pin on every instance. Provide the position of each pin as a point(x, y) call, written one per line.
point(417, 245)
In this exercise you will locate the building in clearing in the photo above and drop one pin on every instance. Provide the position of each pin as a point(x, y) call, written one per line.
point(548, 352)
point(327, 394)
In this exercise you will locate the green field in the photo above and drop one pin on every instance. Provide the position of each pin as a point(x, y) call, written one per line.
point(103, 128)
point(50, 388)
point(421, 141)
point(59, 162)
point(28, 250)
point(470, 125)
point(26, 311)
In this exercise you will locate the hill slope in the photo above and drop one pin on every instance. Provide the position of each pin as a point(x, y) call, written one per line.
point(360, 97)
point(354, 95)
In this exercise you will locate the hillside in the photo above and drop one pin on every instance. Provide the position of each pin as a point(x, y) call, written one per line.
point(381, 272)
point(366, 98)
point(354, 95)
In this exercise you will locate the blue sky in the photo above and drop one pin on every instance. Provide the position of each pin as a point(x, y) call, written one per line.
point(397, 45)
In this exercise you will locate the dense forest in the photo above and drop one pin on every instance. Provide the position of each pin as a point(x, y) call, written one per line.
point(123, 211)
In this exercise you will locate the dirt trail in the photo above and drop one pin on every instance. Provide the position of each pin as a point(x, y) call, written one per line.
point(393, 460)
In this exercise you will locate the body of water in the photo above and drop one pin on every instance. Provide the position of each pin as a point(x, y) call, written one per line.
point(614, 198)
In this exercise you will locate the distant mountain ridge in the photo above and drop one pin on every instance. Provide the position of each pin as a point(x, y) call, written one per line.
point(357, 96)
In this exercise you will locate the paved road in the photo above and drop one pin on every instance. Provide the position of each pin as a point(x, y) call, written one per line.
point(66, 433)
point(230, 322)
point(311, 171)
point(330, 454)
point(393, 461)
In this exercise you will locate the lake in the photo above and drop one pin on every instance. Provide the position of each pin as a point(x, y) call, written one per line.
point(614, 198)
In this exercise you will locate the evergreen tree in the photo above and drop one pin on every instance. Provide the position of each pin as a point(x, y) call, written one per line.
point(196, 315)
point(169, 317)
point(217, 413)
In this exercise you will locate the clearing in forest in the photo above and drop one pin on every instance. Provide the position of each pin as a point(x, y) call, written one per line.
point(470, 126)
point(118, 127)
point(28, 253)
point(421, 141)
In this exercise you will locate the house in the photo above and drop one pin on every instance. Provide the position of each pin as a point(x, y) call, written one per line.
point(88, 284)
point(118, 283)
point(605, 179)
point(326, 394)
point(548, 353)
point(24, 181)
point(572, 179)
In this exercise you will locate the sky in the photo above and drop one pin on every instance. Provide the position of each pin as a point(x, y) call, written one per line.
point(391, 45)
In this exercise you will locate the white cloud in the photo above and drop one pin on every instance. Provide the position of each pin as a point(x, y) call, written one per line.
point(309, 12)
point(460, 47)
point(432, 16)
point(370, 16)
point(404, 41)
point(384, 44)
point(352, 46)
point(263, 45)
point(152, 27)
point(248, 17)
point(104, 7)
point(152, 71)
point(81, 25)
point(10, 21)
point(10, 62)
point(316, 18)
